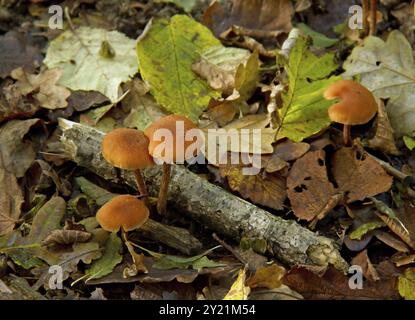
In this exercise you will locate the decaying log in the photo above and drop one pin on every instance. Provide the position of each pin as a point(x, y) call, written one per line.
point(210, 205)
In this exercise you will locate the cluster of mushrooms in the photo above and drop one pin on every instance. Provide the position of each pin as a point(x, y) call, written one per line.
point(135, 150)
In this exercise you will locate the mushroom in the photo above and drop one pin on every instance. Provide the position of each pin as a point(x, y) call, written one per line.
point(123, 212)
point(175, 148)
point(357, 105)
point(128, 149)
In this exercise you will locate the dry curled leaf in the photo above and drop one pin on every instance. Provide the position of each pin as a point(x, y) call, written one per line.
point(267, 277)
point(66, 237)
point(43, 86)
point(11, 198)
point(267, 190)
point(335, 285)
point(368, 269)
point(384, 138)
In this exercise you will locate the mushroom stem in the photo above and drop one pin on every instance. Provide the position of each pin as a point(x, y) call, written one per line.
point(124, 235)
point(164, 186)
point(373, 17)
point(141, 185)
point(365, 9)
point(346, 134)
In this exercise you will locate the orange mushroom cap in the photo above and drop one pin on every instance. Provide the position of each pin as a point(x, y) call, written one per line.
point(357, 105)
point(123, 211)
point(127, 149)
point(178, 126)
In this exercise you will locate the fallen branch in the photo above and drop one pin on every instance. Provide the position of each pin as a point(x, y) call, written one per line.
point(210, 205)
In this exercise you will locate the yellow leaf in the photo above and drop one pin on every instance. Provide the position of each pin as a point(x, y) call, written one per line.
point(267, 277)
point(406, 284)
point(238, 290)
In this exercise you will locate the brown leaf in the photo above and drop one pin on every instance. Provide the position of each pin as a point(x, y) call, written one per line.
point(311, 193)
point(11, 199)
point(137, 266)
point(335, 285)
point(309, 189)
point(43, 87)
point(17, 153)
point(384, 138)
point(15, 52)
point(391, 241)
point(283, 152)
point(66, 237)
point(358, 175)
point(267, 277)
point(270, 15)
point(267, 190)
point(368, 269)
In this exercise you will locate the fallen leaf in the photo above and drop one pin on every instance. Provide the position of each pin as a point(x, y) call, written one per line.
point(11, 199)
point(187, 5)
point(404, 13)
point(364, 228)
point(66, 237)
point(43, 87)
point(166, 53)
point(13, 287)
point(267, 277)
point(368, 269)
point(17, 52)
point(270, 15)
point(391, 241)
point(138, 265)
point(218, 65)
point(309, 189)
point(109, 259)
point(264, 189)
point(319, 40)
point(357, 176)
point(387, 69)
point(143, 107)
point(304, 110)
point(335, 285)
point(93, 59)
point(16, 151)
point(98, 194)
point(406, 284)
point(384, 138)
point(409, 142)
point(238, 291)
point(166, 261)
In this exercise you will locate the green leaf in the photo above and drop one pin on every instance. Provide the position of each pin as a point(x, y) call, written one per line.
point(365, 228)
point(100, 195)
point(409, 142)
point(388, 70)
point(247, 77)
point(406, 284)
point(109, 260)
point(304, 110)
point(166, 54)
point(319, 39)
point(166, 262)
point(46, 220)
point(80, 56)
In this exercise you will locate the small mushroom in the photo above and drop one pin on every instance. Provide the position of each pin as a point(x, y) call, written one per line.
point(357, 105)
point(123, 212)
point(174, 152)
point(128, 149)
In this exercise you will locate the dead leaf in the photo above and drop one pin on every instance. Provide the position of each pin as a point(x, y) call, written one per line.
point(309, 189)
point(267, 277)
point(66, 237)
point(43, 87)
point(15, 52)
point(404, 13)
point(368, 269)
point(270, 16)
point(137, 266)
point(357, 176)
point(83, 100)
point(335, 285)
point(16, 152)
point(264, 189)
point(238, 291)
point(384, 138)
point(11, 199)
point(391, 241)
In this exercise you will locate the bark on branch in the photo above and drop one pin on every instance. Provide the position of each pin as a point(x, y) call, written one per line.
point(210, 205)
